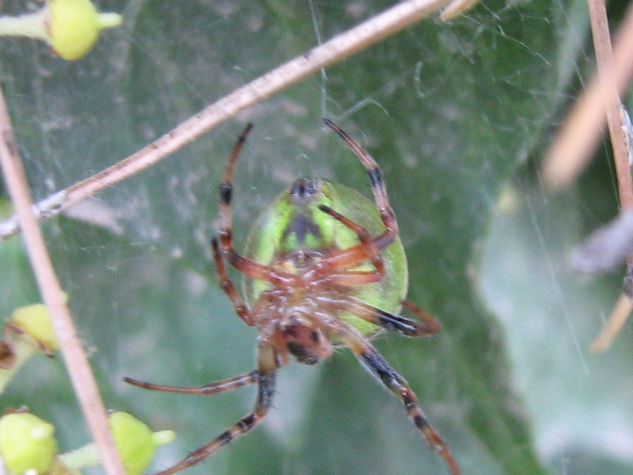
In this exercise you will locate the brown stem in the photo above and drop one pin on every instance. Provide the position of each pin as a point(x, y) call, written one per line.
point(579, 135)
point(604, 54)
point(613, 110)
point(51, 291)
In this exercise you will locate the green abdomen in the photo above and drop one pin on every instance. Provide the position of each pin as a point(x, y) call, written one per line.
point(294, 222)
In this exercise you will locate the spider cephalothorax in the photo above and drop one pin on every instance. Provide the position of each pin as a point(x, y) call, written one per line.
point(323, 266)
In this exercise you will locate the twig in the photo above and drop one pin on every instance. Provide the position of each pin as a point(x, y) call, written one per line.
point(572, 149)
point(50, 289)
point(456, 8)
point(576, 140)
point(617, 133)
point(339, 47)
point(604, 54)
point(618, 317)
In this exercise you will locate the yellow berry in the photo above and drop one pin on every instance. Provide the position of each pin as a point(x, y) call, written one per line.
point(26, 443)
point(74, 26)
point(134, 441)
point(36, 322)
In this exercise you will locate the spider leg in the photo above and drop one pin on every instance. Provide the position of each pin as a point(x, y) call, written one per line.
point(369, 357)
point(371, 251)
point(247, 266)
point(267, 368)
point(226, 190)
point(432, 325)
point(210, 388)
point(353, 278)
point(229, 289)
point(387, 320)
point(378, 187)
point(367, 249)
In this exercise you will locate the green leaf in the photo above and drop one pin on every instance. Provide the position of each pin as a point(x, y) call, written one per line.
point(448, 110)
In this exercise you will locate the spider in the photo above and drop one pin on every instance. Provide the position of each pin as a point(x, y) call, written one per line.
point(316, 277)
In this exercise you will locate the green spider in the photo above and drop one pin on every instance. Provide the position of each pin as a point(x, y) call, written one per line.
point(323, 266)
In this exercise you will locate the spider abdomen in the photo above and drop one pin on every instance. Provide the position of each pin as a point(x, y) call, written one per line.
point(294, 234)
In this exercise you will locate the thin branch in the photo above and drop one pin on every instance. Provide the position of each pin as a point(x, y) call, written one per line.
point(617, 319)
point(572, 148)
point(456, 8)
point(51, 291)
point(604, 54)
point(339, 47)
point(570, 153)
point(617, 133)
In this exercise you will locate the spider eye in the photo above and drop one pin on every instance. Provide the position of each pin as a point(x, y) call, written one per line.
point(303, 189)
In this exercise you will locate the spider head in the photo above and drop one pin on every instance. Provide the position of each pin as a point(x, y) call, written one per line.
point(304, 191)
point(302, 339)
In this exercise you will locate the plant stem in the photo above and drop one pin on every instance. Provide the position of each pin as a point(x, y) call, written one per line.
point(604, 54)
point(31, 25)
point(75, 359)
point(572, 147)
point(613, 106)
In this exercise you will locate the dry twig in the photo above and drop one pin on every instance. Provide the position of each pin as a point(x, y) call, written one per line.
point(75, 359)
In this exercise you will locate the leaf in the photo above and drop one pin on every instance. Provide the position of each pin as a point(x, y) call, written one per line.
point(550, 317)
point(448, 110)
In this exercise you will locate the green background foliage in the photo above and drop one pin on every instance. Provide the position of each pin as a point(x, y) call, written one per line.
point(457, 114)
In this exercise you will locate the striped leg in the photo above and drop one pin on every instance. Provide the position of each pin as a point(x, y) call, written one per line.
point(247, 266)
point(383, 319)
point(370, 250)
point(229, 289)
point(432, 325)
point(226, 190)
point(267, 367)
point(378, 187)
point(211, 388)
point(379, 367)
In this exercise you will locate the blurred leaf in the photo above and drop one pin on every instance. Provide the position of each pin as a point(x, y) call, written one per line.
point(448, 110)
point(551, 315)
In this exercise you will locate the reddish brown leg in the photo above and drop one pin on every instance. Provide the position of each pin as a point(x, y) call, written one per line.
point(353, 278)
point(340, 259)
point(383, 319)
point(379, 367)
point(226, 190)
point(211, 388)
point(371, 251)
point(344, 258)
point(378, 187)
point(229, 289)
point(431, 325)
point(267, 367)
point(246, 266)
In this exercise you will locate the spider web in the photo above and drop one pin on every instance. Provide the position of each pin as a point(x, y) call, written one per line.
point(456, 114)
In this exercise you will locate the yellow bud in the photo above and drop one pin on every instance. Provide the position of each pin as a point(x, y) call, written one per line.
point(74, 26)
point(35, 321)
point(27, 443)
point(71, 27)
point(134, 441)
